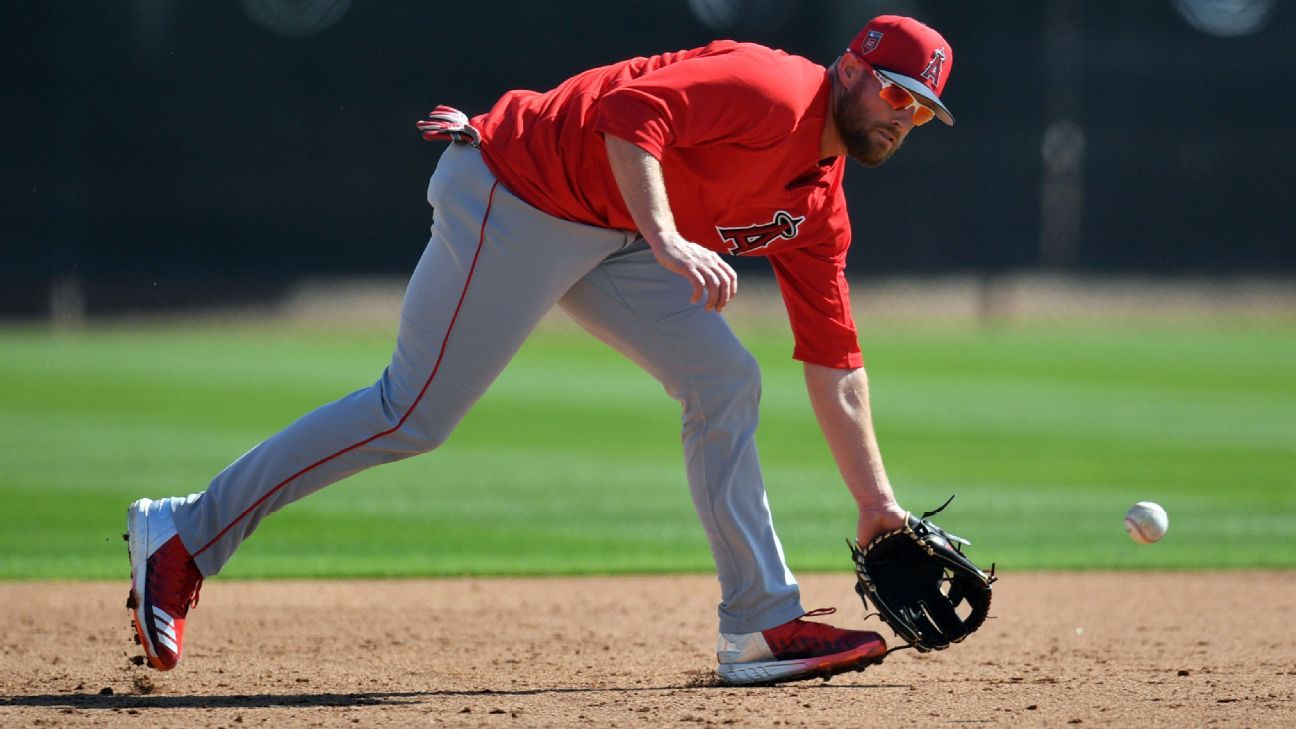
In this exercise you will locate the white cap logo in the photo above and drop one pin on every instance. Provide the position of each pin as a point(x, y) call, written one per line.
point(933, 71)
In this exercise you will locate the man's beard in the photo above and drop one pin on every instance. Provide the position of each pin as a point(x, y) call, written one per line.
point(857, 134)
point(866, 149)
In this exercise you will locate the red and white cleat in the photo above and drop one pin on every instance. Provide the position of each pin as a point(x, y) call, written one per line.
point(164, 581)
point(796, 651)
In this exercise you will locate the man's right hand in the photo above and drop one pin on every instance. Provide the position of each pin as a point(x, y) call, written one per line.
point(639, 178)
point(709, 274)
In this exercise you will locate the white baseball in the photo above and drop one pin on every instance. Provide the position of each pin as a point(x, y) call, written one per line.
point(1146, 522)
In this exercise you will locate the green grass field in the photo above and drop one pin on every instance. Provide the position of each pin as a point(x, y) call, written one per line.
point(572, 464)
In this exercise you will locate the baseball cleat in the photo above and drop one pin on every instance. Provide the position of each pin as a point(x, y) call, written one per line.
point(164, 581)
point(796, 651)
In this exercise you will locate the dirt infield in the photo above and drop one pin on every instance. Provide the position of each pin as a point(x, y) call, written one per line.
point(1147, 650)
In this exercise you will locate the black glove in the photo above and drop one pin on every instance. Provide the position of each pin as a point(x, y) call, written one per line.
point(916, 578)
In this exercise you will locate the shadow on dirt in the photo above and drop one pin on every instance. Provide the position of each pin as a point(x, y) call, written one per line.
point(376, 698)
point(229, 701)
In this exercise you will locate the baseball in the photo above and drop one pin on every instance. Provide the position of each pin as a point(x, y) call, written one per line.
point(1146, 522)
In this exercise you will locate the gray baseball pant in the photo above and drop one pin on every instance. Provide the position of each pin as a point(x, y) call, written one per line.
point(493, 267)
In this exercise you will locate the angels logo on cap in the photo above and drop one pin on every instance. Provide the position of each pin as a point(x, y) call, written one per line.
point(933, 71)
point(911, 54)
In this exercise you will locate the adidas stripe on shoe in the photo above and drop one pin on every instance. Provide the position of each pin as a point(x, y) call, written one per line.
point(164, 581)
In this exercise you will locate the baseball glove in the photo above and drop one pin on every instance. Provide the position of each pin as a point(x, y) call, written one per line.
point(449, 124)
point(922, 585)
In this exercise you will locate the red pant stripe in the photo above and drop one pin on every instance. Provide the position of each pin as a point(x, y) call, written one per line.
point(464, 294)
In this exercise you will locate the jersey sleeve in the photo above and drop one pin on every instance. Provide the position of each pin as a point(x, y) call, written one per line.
point(817, 297)
point(734, 97)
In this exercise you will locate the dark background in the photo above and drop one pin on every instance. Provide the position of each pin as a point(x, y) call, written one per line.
point(168, 152)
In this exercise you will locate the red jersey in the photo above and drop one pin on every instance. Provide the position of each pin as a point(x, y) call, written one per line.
point(737, 128)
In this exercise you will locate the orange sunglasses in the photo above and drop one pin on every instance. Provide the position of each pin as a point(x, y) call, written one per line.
point(900, 98)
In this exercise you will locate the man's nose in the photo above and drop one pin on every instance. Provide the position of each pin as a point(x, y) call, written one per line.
point(902, 121)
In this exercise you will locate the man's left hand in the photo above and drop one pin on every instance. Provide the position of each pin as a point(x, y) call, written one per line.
point(876, 521)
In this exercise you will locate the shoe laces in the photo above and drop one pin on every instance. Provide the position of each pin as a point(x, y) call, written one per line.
point(804, 637)
point(181, 586)
point(187, 598)
point(808, 630)
point(193, 600)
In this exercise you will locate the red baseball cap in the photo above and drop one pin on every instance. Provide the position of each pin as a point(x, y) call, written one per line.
point(909, 53)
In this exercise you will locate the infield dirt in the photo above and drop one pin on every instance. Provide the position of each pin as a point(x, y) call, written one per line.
point(1076, 649)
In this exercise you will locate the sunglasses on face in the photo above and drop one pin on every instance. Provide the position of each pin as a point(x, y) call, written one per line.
point(900, 98)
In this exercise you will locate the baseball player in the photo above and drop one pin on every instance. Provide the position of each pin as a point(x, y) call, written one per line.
point(616, 195)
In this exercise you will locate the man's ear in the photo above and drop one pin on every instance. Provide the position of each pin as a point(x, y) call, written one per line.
point(850, 68)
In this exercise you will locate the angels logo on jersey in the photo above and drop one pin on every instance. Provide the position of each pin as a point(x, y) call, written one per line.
point(755, 237)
